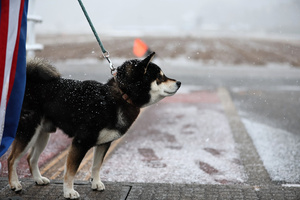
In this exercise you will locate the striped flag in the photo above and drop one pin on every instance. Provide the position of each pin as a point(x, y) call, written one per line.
point(13, 26)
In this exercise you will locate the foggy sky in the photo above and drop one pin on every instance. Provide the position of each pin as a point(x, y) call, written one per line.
point(170, 16)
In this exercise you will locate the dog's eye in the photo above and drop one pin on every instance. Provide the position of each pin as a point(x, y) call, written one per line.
point(160, 79)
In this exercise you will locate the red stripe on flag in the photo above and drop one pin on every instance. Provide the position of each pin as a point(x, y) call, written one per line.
point(3, 39)
point(15, 56)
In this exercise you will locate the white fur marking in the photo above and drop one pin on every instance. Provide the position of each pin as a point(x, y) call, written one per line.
point(158, 92)
point(121, 118)
point(15, 183)
point(97, 185)
point(68, 186)
point(107, 135)
point(37, 149)
point(71, 193)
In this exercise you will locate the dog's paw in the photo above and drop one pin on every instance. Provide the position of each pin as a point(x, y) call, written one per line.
point(42, 181)
point(98, 186)
point(71, 194)
point(16, 186)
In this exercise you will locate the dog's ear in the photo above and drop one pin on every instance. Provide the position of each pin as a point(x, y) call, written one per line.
point(147, 61)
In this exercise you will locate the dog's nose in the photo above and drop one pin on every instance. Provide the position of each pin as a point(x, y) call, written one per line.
point(178, 83)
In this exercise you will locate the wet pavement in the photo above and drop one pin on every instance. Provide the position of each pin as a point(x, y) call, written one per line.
point(183, 139)
point(223, 136)
point(149, 191)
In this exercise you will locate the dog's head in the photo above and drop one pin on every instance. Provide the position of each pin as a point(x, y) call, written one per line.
point(144, 82)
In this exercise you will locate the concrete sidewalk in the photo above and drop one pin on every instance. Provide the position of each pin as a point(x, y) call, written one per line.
point(145, 191)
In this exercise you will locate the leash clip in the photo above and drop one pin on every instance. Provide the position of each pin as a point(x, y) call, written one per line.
point(111, 65)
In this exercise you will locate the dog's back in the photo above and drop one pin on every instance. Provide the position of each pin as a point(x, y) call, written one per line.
point(39, 70)
point(68, 104)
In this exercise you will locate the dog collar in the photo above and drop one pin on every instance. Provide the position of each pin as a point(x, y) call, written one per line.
point(123, 94)
point(126, 97)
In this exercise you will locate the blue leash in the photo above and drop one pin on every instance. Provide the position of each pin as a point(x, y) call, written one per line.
point(104, 52)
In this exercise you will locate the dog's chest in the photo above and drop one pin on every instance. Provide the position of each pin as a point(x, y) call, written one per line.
point(121, 126)
point(107, 135)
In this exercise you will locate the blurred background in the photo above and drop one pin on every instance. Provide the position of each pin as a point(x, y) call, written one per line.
point(212, 32)
point(172, 17)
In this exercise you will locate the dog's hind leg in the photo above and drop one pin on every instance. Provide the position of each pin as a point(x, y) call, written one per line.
point(75, 156)
point(17, 152)
point(43, 132)
point(27, 133)
point(20, 146)
point(33, 158)
point(99, 153)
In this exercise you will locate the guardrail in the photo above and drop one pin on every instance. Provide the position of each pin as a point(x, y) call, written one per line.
point(32, 20)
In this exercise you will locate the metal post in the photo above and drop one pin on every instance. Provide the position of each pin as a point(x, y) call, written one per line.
point(32, 19)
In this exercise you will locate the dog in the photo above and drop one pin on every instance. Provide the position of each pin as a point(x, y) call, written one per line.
point(92, 113)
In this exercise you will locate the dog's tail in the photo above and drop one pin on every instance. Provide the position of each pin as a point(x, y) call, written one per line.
point(40, 70)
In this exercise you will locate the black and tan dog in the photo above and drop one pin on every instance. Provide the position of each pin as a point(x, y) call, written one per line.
point(94, 114)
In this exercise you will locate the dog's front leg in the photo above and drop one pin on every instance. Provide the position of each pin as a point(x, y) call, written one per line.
point(99, 153)
point(75, 156)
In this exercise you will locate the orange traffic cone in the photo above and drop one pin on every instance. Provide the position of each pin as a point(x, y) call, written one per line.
point(140, 48)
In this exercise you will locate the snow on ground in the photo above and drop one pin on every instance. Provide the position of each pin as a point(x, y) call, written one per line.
point(281, 160)
point(189, 144)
